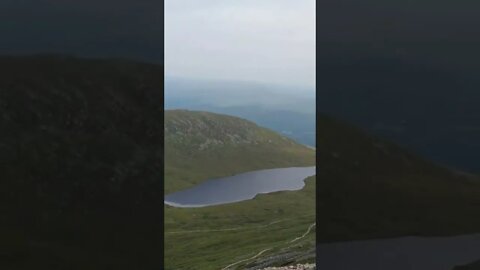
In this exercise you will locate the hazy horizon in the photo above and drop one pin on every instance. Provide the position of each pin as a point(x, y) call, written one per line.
point(267, 42)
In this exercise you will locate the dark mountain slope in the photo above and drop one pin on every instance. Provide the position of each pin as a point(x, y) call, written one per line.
point(404, 70)
point(80, 163)
point(370, 188)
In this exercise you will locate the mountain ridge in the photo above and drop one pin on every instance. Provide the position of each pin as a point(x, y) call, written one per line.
point(221, 128)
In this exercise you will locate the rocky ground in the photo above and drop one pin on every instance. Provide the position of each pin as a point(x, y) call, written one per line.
point(293, 267)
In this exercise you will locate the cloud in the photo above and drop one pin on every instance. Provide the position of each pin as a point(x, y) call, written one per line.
point(268, 41)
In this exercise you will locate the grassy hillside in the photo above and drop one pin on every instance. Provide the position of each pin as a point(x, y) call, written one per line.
point(369, 188)
point(80, 163)
point(203, 145)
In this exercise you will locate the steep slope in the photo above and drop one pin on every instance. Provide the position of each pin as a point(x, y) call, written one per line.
point(80, 163)
point(370, 188)
point(202, 145)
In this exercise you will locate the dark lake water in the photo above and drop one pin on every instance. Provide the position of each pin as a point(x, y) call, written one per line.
point(240, 187)
point(408, 253)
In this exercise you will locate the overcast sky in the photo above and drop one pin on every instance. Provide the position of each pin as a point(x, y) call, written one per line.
point(271, 41)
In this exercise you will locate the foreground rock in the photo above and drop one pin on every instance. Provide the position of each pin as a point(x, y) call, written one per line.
point(293, 267)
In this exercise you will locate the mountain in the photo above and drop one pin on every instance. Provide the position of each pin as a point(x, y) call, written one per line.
point(370, 188)
point(224, 93)
point(81, 163)
point(203, 145)
point(295, 125)
point(288, 110)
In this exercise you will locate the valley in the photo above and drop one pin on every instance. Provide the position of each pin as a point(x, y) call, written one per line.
point(218, 236)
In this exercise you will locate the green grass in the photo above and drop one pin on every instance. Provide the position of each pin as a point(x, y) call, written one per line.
point(295, 211)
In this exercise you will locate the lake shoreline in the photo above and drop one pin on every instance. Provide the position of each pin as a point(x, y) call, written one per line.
point(240, 187)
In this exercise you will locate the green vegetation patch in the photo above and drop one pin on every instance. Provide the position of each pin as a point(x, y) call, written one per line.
point(217, 236)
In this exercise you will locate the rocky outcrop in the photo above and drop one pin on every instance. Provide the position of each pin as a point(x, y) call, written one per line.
point(294, 267)
point(205, 130)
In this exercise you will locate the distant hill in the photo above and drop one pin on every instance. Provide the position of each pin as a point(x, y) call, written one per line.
point(226, 93)
point(287, 110)
point(209, 143)
point(81, 157)
point(295, 125)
